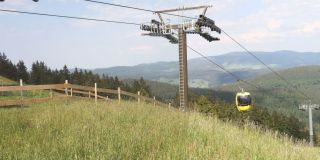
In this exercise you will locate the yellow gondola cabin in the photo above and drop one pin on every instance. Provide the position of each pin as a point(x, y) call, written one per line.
point(243, 101)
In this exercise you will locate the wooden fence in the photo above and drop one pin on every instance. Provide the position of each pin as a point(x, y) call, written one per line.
point(68, 91)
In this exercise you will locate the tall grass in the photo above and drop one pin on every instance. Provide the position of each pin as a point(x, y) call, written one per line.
point(15, 95)
point(82, 130)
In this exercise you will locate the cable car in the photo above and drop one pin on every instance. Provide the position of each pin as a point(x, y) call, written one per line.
point(243, 101)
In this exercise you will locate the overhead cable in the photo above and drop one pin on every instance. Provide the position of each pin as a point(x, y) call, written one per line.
point(69, 17)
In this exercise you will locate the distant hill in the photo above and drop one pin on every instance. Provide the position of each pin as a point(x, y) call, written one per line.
point(203, 74)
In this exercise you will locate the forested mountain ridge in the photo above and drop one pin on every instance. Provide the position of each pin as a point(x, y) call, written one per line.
point(203, 74)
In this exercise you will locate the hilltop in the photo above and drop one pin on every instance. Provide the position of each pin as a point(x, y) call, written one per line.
point(82, 130)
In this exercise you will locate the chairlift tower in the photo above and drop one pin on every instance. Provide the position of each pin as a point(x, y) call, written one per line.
point(309, 106)
point(177, 34)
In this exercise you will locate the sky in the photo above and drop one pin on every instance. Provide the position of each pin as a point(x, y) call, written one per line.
point(260, 25)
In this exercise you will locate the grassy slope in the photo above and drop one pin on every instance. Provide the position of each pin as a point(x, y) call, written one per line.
point(82, 130)
point(6, 81)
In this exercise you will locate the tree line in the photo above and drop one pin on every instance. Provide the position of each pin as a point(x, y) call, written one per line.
point(40, 73)
point(289, 125)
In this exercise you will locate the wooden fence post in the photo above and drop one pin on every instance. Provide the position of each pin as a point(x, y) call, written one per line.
point(169, 105)
point(71, 94)
point(1, 86)
point(89, 94)
point(51, 94)
point(107, 98)
point(66, 90)
point(154, 101)
point(95, 93)
point(139, 97)
point(119, 94)
point(21, 93)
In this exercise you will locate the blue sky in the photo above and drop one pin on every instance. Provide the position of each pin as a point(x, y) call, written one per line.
point(261, 25)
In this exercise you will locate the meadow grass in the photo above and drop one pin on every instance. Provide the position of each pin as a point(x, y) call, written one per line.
point(83, 130)
point(15, 95)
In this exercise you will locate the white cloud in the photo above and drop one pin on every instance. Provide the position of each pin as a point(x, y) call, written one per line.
point(225, 4)
point(278, 20)
point(273, 24)
point(311, 27)
point(141, 49)
point(259, 36)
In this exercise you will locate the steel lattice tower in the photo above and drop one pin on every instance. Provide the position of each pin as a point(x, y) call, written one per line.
point(168, 31)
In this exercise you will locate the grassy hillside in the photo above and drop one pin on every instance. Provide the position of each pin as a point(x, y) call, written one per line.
point(82, 130)
point(164, 90)
point(168, 92)
point(6, 81)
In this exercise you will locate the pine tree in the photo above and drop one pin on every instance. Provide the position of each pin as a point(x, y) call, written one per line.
point(7, 68)
point(75, 77)
point(22, 72)
point(35, 75)
point(64, 74)
point(55, 77)
point(141, 86)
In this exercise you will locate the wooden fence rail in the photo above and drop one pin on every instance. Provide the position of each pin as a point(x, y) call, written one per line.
point(33, 87)
point(69, 90)
point(32, 101)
